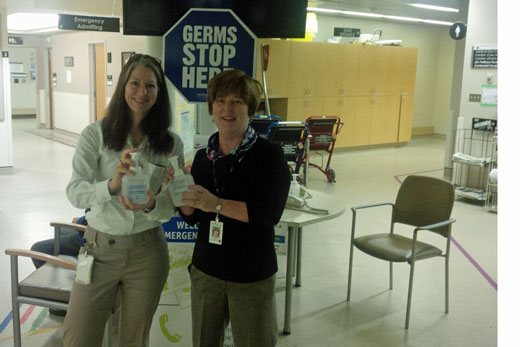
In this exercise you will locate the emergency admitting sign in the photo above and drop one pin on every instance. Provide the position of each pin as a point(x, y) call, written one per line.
point(203, 43)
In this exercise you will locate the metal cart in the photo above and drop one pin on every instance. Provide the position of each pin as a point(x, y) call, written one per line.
point(323, 131)
point(292, 137)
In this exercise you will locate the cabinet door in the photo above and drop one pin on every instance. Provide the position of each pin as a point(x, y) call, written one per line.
point(409, 70)
point(381, 69)
point(405, 118)
point(384, 119)
point(298, 69)
point(298, 109)
point(366, 66)
point(315, 58)
point(350, 69)
point(277, 74)
point(356, 113)
point(334, 70)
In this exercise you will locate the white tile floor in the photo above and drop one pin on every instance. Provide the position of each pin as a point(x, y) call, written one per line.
point(33, 194)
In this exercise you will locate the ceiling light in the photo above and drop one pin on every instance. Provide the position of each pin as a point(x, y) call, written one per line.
point(436, 8)
point(375, 15)
point(31, 21)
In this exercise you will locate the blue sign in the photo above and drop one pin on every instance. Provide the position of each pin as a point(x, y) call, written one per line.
point(177, 230)
point(203, 43)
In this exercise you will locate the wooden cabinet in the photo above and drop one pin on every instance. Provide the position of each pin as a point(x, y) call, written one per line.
point(405, 118)
point(370, 88)
point(384, 118)
point(367, 120)
point(298, 109)
point(306, 70)
point(277, 73)
point(356, 121)
point(374, 70)
point(341, 70)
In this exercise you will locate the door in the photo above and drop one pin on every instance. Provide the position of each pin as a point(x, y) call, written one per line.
point(100, 91)
point(52, 82)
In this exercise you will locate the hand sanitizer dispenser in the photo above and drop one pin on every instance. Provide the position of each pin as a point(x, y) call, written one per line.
point(179, 184)
point(135, 187)
point(294, 190)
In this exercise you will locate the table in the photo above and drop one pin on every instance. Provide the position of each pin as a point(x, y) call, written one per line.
point(295, 221)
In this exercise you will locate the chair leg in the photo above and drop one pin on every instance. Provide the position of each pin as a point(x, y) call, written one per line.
point(16, 306)
point(447, 286)
point(350, 270)
point(391, 276)
point(16, 325)
point(409, 302)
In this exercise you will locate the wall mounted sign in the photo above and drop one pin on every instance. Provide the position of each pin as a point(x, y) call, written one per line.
point(15, 40)
point(203, 43)
point(489, 95)
point(458, 31)
point(88, 23)
point(69, 61)
point(15, 67)
point(347, 32)
point(124, 57)
point(484, 57)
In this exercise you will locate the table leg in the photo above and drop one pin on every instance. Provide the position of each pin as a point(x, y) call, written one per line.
point(299, 244)
point(288, 281)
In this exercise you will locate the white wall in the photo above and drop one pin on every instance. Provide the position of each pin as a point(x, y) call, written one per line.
point(72, 100)
point(482, 30)
point(434, 62)
point(6, 133)
point(23, 90)
point(441, 104)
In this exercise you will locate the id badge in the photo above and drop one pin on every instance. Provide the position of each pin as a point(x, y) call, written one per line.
point(216, 231)
point(84, 269)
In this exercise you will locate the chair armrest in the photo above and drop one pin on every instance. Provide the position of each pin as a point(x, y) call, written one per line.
point(355, 208)
point(78, 227)
point(435, 225)
point(42, 256)
point(354, 214)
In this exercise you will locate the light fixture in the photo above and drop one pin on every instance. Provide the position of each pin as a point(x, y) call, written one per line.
point(32, 21)
point(436, 8)
point(311, 23)
point(375, 15)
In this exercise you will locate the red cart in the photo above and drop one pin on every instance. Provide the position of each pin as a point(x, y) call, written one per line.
point(323, 131)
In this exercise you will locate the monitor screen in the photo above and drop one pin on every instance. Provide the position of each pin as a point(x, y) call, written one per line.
point(266, 18)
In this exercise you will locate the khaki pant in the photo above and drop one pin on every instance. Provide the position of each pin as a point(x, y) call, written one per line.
point(250, 307)
point(137, 267)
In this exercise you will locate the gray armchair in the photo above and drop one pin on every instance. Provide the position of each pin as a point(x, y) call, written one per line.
point(424, 203)
point(47, 286)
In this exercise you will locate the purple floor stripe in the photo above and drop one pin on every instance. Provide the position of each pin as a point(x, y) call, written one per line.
point(475, 264)
point(461, 249)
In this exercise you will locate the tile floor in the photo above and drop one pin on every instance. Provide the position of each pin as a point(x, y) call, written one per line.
point(32, 194)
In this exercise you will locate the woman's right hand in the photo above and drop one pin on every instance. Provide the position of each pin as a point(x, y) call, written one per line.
point(122, 168)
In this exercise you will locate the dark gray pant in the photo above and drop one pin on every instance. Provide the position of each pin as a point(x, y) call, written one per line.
point(70, 243)
point(250, 307)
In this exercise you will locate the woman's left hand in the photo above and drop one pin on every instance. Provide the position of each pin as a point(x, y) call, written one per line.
point(201, 198)
point(129, 205)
